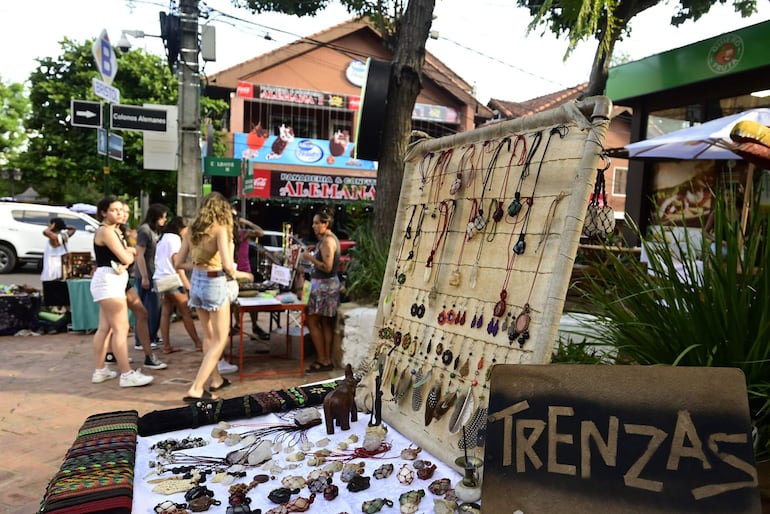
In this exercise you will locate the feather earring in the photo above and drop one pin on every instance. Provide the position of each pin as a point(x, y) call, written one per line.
point(462, 411)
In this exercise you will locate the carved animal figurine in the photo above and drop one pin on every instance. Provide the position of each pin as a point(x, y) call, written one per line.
point(340, 405)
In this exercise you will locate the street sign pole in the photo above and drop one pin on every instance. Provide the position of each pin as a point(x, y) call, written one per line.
point(107, 64)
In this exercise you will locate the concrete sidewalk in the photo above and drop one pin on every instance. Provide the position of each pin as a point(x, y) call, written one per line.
point(46, 394)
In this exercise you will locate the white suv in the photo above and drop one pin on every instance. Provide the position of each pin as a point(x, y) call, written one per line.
point(21, 232)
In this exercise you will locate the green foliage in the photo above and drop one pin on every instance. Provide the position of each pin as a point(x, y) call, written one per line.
point(719, 316)
point(367, 266)
point(606, 19)
point(571, 352)
point(15, 110)
point(61, 160)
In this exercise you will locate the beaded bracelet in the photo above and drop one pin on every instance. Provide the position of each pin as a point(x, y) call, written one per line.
point(297, 395)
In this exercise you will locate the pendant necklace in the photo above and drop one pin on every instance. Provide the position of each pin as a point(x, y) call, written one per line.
point(467, 157)
point(412, 255)
point(520, 245)
point(515, 205)
point(440, 171)
point(480, 221)
point(498, 213)
point(519, 328)
point(425, 169)
point(400, 277)
point(446, 210)
point(500, 307)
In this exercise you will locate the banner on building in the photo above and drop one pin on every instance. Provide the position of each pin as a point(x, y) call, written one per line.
point(308, 186)
point(258, 147)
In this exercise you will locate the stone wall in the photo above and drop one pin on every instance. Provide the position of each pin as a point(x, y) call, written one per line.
point(353, 334)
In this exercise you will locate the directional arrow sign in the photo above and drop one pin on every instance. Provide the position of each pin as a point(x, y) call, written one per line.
point(85, 114)
point(133, 117)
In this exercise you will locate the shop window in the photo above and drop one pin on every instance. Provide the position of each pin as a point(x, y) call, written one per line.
point(619, 176)
point(302, 126)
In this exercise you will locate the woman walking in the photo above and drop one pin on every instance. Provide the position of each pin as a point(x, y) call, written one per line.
point(209, 242)
point(108, 288)
point(324, 291)
point(168, 246)
point(146, 238)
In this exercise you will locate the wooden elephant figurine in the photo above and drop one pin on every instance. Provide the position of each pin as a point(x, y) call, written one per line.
point(340, 404)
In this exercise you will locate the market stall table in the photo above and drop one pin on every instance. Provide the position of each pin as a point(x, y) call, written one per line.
point(18, 312)
point(83, 309)
point(272, 306)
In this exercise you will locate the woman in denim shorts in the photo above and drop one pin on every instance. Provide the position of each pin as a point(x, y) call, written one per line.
point(209, 243)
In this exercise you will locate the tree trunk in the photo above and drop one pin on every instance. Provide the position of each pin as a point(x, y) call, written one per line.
point(600, 70)
point(405, 84)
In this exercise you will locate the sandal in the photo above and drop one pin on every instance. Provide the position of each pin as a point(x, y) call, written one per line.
point(225, 383)
point(206, 397)
point(314, 368)
point(170, 349)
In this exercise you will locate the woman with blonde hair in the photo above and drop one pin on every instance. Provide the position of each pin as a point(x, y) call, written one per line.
point(209, 242)
point(168, 246)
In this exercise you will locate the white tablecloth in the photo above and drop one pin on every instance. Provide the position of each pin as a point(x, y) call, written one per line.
point(145, 500)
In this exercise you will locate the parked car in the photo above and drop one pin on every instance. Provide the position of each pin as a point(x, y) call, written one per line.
point(21, 232)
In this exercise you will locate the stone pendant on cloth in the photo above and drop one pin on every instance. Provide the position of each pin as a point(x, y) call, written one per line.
point(428, 273)
point(409, 501)
point(405, 475)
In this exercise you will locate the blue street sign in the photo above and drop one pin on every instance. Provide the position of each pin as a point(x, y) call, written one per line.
point(101, 141)
point(116, 147)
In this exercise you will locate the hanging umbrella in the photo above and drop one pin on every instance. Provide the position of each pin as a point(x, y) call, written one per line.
point(710, 140)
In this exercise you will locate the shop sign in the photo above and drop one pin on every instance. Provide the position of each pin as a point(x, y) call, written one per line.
point(621, 439)
point(734, 52)
point(311, 186)
point(290, 95)
point(437, 113)
point(356, 72)
point(287, 149)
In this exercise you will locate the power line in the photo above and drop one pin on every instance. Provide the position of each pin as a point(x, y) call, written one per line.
point(495, 59)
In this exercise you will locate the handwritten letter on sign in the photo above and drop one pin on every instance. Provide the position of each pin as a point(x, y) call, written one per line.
point(618, 439)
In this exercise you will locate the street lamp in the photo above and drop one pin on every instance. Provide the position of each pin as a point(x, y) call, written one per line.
point(14, 176)
point(124, 45)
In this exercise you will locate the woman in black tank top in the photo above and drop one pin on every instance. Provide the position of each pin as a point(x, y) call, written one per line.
point(324, 291)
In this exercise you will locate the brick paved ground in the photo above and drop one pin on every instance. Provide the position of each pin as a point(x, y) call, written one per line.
point(46, 393)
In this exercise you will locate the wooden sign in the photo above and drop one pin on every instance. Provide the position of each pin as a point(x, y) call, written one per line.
point(619, 439)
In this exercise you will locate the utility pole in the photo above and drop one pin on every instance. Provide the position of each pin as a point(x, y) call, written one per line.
point(189, 176)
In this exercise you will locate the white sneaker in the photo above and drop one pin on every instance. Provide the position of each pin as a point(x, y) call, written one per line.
point(102, 375)
point(135, 379)
point(225, 368)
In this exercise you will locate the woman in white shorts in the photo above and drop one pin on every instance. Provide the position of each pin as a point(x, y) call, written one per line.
point(108, 288)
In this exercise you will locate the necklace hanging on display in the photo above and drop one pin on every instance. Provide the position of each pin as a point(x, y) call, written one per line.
point(520, 328)
point(499, 309)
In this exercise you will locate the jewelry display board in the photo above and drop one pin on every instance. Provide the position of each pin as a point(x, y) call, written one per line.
point(483, 245)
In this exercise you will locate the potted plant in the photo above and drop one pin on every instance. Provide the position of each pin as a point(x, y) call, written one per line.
point(694, 306)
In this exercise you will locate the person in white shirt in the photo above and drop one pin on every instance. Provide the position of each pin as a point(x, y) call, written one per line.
point(54, 288)
point(168, 245)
